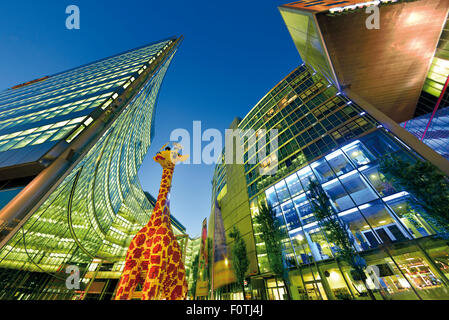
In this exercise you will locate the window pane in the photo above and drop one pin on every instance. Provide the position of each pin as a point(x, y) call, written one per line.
point(339, 163)
point(272, 198)
point(279, 217)
point(294, 185)
point(323, 171)
point(317, 243)
point(301, 247)
point(375, 177)
point(384, 225)
point(291, 217)
point(410, 217)
point(357, 228)
point(304, 209)
point(358, 188)
point(282, 192)
point(338, 196)
point(304, 176)
point(358, 154)
point(378, 144)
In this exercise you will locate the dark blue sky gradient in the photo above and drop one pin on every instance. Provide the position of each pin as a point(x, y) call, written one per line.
point(233, 53)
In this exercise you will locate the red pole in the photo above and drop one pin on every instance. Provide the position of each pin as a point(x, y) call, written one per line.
point(436, 107)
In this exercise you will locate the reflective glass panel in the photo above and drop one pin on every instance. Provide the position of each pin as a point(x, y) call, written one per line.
point(358, 154)
point(294, 186)
point(272, 198)
point(410, 217)
point(339, 163)
point(323, 171)
point(376, 178)
point(305, 175)
point(358, 188)
point(378, 144)
point(301, 246)
point(282, 191)
point(304, 209)
point(291, 217)
point(318, 244)
point(356, 226)
point(338, 196)
point(384, 225)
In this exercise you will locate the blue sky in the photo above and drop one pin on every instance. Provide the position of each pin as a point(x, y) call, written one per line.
point(233, 53)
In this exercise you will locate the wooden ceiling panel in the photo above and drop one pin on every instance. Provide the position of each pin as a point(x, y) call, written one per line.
point(387, 66)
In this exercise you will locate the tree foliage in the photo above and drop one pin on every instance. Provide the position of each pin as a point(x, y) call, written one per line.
point(428, 187)
point(330, 222)
point(195, 263)
point(271, 235)
point(336, 230)
point(239, 257)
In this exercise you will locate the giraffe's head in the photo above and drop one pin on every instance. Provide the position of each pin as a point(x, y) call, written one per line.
point(168, 157)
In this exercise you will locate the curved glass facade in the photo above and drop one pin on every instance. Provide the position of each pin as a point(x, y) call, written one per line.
point(100, 204)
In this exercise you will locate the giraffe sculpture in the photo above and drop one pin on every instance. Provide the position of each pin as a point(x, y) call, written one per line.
point(154, 256)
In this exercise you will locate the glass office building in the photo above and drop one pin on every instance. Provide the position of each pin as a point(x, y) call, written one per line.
point(325, 136)
point(336, 116)
point(70, 148)
point(437, 134)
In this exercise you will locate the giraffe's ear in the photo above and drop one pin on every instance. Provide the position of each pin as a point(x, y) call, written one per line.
point(163, 147)
point(183, 158)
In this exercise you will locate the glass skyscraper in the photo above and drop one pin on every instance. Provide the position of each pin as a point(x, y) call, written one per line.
point(71, 145)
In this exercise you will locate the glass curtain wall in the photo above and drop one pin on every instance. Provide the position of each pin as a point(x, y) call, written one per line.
point(324, 136)
point(95, 211)
point(375, 215)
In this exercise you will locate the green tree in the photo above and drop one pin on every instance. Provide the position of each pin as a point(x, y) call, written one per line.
point(239, 258)
point(209, 267)
point(195, 263)
point(272, 235)
point(427, 185)
point(336, 233)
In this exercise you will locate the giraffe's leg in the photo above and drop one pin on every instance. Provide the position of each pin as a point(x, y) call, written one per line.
point(185, 287)
point(181, 289)
point(129, 281)
point(175, 281)
point(131, 273)
point(152, 288)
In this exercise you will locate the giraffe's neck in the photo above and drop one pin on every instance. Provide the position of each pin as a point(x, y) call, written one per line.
point(164, 191)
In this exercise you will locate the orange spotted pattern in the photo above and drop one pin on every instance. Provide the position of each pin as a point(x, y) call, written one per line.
point(154, 256)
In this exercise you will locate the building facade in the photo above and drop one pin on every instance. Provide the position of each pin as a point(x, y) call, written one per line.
point(337, 115)
point(327, 137)
point(397, 66)
point(70, 148)
point(394, 68)
point(432, 129)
